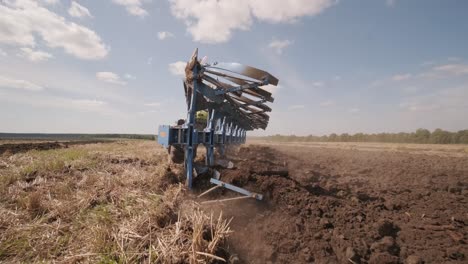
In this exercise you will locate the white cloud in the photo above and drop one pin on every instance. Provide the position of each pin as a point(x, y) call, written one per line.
point(162, 35)
point(279, 45)
point(443, 72)
point(150, 61)
point(327, 103)
point(148, 112)
point(431, 74)
point(390, 2)
point(401, 77)
point(354, 110)
point(87, 105)
point(22, 22)
point(454, 59)
point(34, 55)
point(55, 102)
point(277, 11)
point(153, 104)
point(440, 102)
point(128, 76)
point(51, 2)
point(318, 84)
point(2, 53)
point(178, 68)
point(19, 84)
point(296, 107)
point(418, 107)
point(65, 80)
point(428, 63)
point(212, 21)
point(133, 7)
point(411, 89)
point(110, 77)
point(457, 69)
point(77, 10)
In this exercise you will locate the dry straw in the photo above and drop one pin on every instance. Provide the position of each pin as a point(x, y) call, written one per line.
point(118, 202)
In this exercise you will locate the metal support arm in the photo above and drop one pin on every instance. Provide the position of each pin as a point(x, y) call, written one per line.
point(236, 189)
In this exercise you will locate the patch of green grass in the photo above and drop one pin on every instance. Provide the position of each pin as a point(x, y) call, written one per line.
point(12, 247)
point(7, 179)
point(105, 259)
point(102, 214)
point(99, 215)
point(29, 169)
point(57, 160)
point(99, 222)
point(23, 245)
point(60, 245)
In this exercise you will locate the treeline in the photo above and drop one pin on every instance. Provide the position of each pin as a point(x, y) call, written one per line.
point(421, 136)
point(74, 136)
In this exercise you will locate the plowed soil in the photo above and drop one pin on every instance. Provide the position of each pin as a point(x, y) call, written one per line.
point(13, 148)
point(347, 206)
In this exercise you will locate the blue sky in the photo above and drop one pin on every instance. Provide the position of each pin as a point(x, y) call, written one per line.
point(114, 66)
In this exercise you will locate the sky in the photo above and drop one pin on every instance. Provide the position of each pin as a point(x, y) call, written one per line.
point(345, 66)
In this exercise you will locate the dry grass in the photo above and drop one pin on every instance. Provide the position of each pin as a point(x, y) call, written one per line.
point(108, 203)
point(195, 239)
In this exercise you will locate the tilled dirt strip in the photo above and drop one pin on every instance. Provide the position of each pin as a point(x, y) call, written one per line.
point(13, 148)
point(348, 206)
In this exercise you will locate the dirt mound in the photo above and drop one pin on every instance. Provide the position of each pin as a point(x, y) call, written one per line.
point(338, 207)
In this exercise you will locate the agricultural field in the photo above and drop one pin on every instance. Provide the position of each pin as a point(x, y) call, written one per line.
point(123, 202)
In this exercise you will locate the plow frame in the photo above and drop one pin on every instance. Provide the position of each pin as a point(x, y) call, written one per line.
point(230, 115)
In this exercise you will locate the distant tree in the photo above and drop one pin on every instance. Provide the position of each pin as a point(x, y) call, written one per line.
point(359, 137)
point(440, 136)
point(345, 137)
point(462, 137)
point(333, 137)
point(422, 135)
